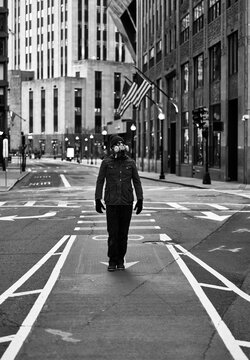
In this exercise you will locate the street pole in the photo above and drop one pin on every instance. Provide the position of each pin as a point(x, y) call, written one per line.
point(161, 117)
point(206, 175)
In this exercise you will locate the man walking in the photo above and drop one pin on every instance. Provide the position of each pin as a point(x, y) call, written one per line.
point(119, 171)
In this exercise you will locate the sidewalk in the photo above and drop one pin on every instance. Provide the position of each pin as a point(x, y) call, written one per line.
point(9, 177)
point(13, 174)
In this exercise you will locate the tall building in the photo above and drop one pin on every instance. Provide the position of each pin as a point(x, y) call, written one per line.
point(67, 62)
point(198, 53)
point(3, 71)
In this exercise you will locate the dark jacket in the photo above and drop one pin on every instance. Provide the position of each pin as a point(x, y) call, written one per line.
point(119, 174)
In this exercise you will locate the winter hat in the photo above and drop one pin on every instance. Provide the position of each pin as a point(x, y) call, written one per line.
point(114, 139)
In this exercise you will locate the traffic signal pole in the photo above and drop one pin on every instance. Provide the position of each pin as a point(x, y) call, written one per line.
point(206, 175)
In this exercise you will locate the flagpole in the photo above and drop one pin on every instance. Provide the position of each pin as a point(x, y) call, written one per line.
point(157, 87)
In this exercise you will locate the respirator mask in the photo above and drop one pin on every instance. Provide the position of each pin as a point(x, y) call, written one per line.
point(119, 149)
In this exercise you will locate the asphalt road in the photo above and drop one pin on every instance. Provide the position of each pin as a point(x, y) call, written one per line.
point(184, 295)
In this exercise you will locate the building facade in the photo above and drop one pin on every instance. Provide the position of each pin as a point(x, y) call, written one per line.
point(3, 71)
point(198, 53)
point(69, 61)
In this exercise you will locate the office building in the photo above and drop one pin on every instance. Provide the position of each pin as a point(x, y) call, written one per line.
point(67, 61)
point(198, 53)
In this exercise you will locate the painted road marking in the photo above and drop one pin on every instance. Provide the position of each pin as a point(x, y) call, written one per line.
point(218, 207)
point(212, 216)
point(15, 217)
point(29, 203)
point(105, 228)
point(177, 206)
point(223, 248)
point(25, 328)
point(65, 181)
point(104, 221)
point(230, 342)
point(127, 264)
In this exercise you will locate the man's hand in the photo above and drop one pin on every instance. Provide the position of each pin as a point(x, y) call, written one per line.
point(99, 206)
point(138, 206)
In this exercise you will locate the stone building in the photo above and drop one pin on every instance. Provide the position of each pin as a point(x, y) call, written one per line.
point(67, 62)
point(198, 53)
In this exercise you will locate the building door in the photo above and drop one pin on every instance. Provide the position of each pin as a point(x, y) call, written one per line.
point(172, 148)
point(233, 140)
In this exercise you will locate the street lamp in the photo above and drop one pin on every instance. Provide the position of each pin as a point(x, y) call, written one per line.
point(104, 134)
point(91, 148)
point(133, 129)
point(77, 146)
point(161, 117)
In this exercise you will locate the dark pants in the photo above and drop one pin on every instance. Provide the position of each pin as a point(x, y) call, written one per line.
point(118, 220)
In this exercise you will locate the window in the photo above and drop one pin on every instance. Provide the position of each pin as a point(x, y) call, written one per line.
point(233, 53)
point(198, 146)
point(198, 16)
point(184, 78)
point(215, 114)
point(214, 9)
point(198, 71)
point(184, 34)
point(42, 110)
point(31, 112)
point(215, 62)
point(78, 110)
point(1, 72)
point(185, 137)
point(55, 104)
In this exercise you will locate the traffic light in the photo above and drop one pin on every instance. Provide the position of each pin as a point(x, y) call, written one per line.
point(23, 139)
point(200, 117)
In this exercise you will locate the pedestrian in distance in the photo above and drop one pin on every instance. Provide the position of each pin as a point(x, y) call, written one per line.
point(118, 171)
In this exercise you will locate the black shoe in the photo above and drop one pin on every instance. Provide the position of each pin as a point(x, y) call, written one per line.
point(111, 267)
point(120, 266)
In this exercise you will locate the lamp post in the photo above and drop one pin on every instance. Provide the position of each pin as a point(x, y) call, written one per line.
point(77, 147)
point(133, 129)
point(66, 146)
point(104, 134)
point(91, 148)
point(161, 117)
point(206, 176)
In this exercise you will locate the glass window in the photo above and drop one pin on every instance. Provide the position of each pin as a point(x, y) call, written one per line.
point(233, 53)
point(185, 138)
point(214, 9)
point(1, 71)
point(185, 78)
point(198, 71)
point(198, 15)
point(215, 62)
point(215, 113)
point(184, 33)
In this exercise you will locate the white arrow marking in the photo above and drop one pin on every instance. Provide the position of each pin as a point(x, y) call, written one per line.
point(212, 216)
point(222, 248)
point(241, 230)
point(15, 217)
point(127, 264)
point(66, 336)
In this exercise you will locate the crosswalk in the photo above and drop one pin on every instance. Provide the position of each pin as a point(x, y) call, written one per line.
point(148, 205)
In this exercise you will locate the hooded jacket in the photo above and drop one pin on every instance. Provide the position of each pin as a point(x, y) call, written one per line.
point(119, 174)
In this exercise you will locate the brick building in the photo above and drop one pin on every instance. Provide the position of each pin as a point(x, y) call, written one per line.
point(198, 53)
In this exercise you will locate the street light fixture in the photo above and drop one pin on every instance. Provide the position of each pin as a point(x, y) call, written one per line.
point(133, 129)
point(91, 148)
point(161, 117)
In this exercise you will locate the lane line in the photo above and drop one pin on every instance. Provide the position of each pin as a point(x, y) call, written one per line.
point(30, 319)
point(29, 203)
point(30, 272)
point(177, 206)
point(218, 206)
point(225, 334)
point(31, 292)
point(224, 280)
point(65, 181)
point(8, 338)
point(104, 221)
point(105, 228)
